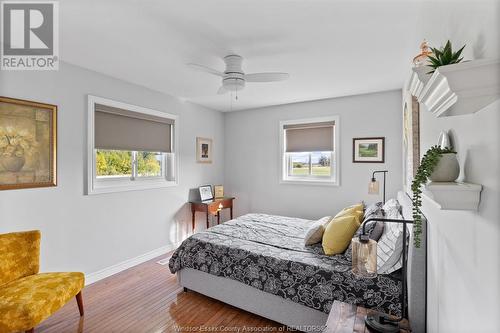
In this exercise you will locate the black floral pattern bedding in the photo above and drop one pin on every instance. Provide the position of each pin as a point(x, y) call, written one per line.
point(267, 252)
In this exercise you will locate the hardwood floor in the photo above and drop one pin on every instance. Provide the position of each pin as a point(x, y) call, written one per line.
point(147, 298)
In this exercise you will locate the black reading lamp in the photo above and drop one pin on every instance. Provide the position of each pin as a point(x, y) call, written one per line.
point(374, 186)
point(364, 265)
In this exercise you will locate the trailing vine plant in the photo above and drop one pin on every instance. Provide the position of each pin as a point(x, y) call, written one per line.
point(427, 165)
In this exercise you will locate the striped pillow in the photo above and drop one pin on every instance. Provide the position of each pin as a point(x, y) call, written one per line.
point(390, 245)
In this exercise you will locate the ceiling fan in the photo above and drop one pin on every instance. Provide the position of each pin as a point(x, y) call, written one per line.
point(234, 79)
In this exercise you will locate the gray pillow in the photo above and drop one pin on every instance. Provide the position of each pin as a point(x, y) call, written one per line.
point(374, 229)
point(374, 208)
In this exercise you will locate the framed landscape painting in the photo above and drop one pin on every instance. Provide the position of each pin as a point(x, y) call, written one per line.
point(203, 150)
point(28, 144)
point(368, 150)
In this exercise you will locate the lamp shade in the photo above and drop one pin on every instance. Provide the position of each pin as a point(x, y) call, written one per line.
point(374, 187)
point(364, 258)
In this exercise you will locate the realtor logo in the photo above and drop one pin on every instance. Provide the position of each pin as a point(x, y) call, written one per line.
point(30, 35)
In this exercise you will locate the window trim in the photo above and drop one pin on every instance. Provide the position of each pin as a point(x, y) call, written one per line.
point(120, 184)
point(283, 170)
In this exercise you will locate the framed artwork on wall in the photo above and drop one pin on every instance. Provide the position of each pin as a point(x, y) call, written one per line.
point(368, 150)
point(28, 144)
point(204, 149)
point(411, 139)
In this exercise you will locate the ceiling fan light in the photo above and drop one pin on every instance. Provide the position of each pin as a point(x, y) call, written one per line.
point(233, 84)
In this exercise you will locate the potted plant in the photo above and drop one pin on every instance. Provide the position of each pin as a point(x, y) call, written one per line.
point(444, 56)
point(440, 165)
point(15, 145)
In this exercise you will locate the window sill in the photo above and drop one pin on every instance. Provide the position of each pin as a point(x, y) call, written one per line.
point(309, 182)
point(100, 187)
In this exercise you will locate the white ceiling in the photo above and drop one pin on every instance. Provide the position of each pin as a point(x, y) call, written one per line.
point(330, 48)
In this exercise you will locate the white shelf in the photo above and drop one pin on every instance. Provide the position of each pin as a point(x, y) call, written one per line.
point(454, 195)
point(457, 89)
point(418, 79)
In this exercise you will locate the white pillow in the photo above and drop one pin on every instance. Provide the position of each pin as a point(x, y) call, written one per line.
point(315, 232)
point(390, 244)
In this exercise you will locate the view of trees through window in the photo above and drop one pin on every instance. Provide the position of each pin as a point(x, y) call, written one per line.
point(310, 164)
point(119, 163)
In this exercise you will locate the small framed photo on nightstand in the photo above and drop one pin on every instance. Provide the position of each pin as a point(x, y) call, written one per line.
point(218, 191)
point(206, 193)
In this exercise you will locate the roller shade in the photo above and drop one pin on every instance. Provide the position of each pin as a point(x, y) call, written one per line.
point(120, 129)
point(309, 137)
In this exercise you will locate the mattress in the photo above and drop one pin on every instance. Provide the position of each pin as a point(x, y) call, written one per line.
point(267, 252)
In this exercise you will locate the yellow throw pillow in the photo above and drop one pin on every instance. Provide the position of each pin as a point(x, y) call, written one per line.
point(357, 210)
point(338, 234)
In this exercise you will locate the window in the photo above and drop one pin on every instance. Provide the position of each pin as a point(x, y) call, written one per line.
point(129, 147)
point(308, 149)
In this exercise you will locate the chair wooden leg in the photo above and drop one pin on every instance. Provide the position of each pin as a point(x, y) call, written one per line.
point(79, 300)
point(31, 330)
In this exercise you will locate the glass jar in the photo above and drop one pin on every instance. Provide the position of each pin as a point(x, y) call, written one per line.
point(364, 258)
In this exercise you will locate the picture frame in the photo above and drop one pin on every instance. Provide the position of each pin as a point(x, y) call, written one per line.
point(218, 191)
point(204, 148)
point(28, 144)
point(206, 192)
point(368, 150)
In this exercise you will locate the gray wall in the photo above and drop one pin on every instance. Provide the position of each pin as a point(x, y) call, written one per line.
point(89, 233)
point(463, 246)
point(252, 155)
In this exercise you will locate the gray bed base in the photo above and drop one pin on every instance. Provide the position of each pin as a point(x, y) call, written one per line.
point(293, 314)
point(252, 299)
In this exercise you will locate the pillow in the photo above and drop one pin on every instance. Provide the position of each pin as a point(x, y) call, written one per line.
point(315, 232)
point(374, 208)
point(373, 229)
point(338, 234)
point(390, 244)
point(356, 210)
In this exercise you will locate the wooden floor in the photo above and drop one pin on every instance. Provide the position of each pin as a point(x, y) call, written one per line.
point(147, 298)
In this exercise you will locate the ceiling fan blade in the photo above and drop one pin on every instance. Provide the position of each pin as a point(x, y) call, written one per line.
point(221, 91)
point(266, 77)
point(205, 69)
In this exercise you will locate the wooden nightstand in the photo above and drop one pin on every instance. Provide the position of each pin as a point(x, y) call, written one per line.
point(347, 318)
point(211, 207)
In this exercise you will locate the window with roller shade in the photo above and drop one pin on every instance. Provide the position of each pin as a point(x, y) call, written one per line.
point(132, 147)
point(308, 150)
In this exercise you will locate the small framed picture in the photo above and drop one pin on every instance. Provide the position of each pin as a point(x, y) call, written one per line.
point(218, 191)
point(368, 150)
point(206, 192)
point(204, 150)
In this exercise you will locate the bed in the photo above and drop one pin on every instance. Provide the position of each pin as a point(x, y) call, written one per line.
point(259, 263)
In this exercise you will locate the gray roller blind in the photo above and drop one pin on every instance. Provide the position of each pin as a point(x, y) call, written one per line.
point(120, 129)
point(309, 137)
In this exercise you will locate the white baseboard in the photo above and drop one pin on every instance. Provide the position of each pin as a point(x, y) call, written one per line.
point(111, 270)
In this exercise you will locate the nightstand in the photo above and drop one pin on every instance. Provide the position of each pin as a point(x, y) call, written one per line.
point(345, 318)
point(211, 207)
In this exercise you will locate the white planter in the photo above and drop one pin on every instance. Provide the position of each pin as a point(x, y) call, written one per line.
point(447, 169)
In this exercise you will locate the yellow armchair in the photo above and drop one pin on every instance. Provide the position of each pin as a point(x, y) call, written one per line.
point(26, 296)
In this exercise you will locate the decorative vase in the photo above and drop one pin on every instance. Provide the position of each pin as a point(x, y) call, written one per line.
point(447, 169)
point(12, 163)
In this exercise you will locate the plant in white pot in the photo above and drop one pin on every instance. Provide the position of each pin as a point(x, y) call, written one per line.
point(439, 165)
